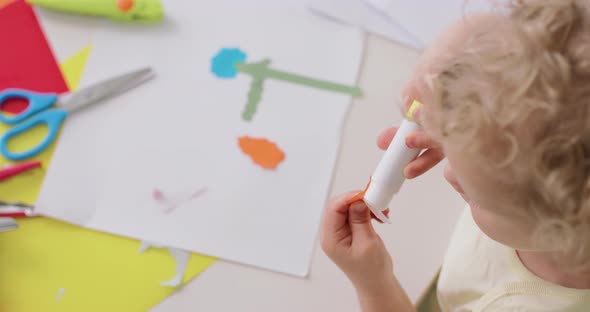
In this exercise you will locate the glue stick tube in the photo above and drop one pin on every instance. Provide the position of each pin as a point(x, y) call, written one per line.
point(388, 177)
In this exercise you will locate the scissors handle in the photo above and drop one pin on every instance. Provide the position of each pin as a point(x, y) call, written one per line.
point(53, 118)
point(37, 102)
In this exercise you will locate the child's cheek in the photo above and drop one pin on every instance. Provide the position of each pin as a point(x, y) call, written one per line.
point(504, 230)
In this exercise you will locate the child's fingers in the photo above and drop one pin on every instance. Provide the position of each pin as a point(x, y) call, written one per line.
point(423, 163)
point(421, 140)
point(386, 137)
point(418, 139)
point(337, 210)
point(410, 92)
point(336, 216)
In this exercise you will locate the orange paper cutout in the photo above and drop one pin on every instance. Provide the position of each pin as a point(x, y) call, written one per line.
point(263, 152)
point(360, 195)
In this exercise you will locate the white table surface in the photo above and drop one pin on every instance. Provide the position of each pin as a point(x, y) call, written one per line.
point(423, 213)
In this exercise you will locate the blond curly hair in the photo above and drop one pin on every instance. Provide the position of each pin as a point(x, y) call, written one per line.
point(518, 100)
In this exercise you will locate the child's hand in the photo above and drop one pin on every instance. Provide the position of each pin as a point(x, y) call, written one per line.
point(427, 160)
point(348, 238)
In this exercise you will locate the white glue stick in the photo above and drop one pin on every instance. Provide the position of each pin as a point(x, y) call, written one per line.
point(388, 177)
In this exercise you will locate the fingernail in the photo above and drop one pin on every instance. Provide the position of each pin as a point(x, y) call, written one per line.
point(417, 112)
point(410, 142)
point(358, 207)
point(407, 172)
point(405, 99)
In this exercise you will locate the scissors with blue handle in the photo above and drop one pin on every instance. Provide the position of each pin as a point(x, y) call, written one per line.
point(52, 109)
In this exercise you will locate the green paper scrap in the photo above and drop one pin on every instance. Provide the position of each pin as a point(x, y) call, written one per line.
point(262, 70)
point(228, 62)
point(254, 98)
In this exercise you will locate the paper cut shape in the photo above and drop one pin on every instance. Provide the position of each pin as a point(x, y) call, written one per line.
point(45, 254)
point(224, 63)
point(158, 195)
point(74, 66)
point(229, 61)
point(263, 152)
point(254, 97)
point(60, 293)
point(180, 256)
point(26, 58)
point(171, 201)
point(360, 195)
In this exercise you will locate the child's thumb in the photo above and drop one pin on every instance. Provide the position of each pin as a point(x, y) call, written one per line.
point(359, 218)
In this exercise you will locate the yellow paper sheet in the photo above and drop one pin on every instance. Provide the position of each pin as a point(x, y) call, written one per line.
point(47, 265)
point(74, 67)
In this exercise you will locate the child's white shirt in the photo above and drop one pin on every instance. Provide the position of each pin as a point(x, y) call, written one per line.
point(482, 275)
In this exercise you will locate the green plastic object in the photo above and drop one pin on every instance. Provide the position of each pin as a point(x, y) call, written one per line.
point(148, 11)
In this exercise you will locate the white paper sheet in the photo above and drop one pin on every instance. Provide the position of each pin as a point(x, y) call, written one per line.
point(426, 19)
point(362, 15)
point(179, 133)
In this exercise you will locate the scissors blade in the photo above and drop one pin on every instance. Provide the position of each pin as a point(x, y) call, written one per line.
point(104, 90)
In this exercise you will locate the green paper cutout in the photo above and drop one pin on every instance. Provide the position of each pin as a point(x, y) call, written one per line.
point(228, 62)
point(262, 70)
point(254, 98)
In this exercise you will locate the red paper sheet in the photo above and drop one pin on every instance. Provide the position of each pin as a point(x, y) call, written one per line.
point(26, 59)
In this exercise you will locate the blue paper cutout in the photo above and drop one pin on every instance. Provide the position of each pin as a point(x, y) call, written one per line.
point(223, 63)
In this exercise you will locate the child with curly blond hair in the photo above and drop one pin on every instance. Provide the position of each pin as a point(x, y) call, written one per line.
point(507, 102)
